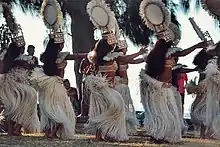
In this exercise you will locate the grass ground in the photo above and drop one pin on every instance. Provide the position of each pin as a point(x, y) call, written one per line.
point(37, 140)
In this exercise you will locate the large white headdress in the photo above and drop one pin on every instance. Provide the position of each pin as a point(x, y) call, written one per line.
point(14, 27)
point(212, 6)
point(53, 19)
point(103, 19)
point(157, 18)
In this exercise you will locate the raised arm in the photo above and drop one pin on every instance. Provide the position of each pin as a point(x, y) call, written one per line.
point(191, 49)
point(76, 56)
point(130, 59)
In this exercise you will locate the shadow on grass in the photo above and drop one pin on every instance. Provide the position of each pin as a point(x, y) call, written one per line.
point(37, 140)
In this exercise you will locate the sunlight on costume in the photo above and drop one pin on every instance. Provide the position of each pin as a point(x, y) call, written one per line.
point(20, 100)
point(162, 117)
point(106, 111)
point(213, 99)
point(55, 105)
point(131, 120)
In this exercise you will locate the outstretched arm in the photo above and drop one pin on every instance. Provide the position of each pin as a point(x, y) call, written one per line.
point(76, 56)
point(187, 70)
point(137, 61)
point(130, 59)
point(132, 56)
point(189, 50)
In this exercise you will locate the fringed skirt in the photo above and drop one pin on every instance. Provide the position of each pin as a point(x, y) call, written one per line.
point(131, 120)
point(55, 105)
point(213, 107)
point(162, 116)
point(20, 101)
point(179, 106)
point(107, 109)
point(198, 107)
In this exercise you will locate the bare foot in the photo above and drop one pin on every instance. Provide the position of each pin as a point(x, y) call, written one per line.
point(99, 138)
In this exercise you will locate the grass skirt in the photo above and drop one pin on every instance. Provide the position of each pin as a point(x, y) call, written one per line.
point(131, 120)
point(107, 109)
point(162, 116)
point(54, 103)
point(20, 100)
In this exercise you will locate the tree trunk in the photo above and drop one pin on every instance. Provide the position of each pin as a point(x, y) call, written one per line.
point(82, 33)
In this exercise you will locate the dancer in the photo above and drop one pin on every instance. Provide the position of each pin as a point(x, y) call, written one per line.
point(107, 108)
point(198, 107)
point(57, 114)
point(122, 87)
point(206, 115)
point(163, 119)
point(213, 102)
point(19, 98)
point(86, 68)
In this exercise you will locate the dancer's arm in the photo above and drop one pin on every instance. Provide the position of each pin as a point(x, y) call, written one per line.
point(132, 56)
point(187, 70)
point(76, 56)
point(191, 49)
point(130, 59)
point(137, 61)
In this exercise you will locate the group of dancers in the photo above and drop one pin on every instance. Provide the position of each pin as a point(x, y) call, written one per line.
point(105, 81)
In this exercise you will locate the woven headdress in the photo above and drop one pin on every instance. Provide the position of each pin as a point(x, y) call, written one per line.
point(5, 36)
point(122, 44)
point(53, 19)
point(157, 18)
point(103, 19)
point(15, 29)
point(175, 33)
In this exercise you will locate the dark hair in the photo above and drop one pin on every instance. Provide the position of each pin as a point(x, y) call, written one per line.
point(66, 80)
point(31, 46)
point(49, 58)
point(156, 58)
point(12, 52)
point(201, 59)
point(102, 49)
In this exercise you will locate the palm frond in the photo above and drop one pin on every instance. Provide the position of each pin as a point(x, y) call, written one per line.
point(186, 5)
point(33, 6)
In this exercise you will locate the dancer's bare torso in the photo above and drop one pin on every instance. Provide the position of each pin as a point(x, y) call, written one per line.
point(109, 70)
point(123, 72)
point(166, 76)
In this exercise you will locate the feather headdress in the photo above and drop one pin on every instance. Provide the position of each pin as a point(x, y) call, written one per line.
point(175, 33)
point(103, 19)
point(156, 17)
point(53, 19)
point(15, 29)
point(212, 6)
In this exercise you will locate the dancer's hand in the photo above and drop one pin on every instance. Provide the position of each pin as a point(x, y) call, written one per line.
point(143, 50)
point(197, 68)
point(191, 89)
point(166, 85)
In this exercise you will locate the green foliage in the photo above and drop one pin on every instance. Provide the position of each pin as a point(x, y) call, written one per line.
point(193, 82)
